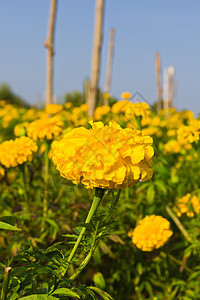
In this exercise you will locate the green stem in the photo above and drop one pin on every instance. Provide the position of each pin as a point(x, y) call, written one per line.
point(178, 224)
point(179, 262)
point(46, 176)
point(138, 121)
point(6, 279)
point(96, 200)
point(23, 181)
point(88, 257)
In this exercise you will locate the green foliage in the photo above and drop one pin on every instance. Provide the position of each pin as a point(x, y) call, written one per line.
point(75, 97)
point(7, 94)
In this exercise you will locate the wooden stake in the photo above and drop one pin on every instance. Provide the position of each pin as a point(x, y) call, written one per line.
point(171, 85)
point(49, 44)
point(158, 82)
point(96, 57)
point(109, 64)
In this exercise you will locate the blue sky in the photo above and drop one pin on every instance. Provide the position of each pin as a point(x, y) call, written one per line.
point(142, 27)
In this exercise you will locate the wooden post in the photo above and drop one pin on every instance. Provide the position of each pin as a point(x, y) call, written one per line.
point(96, 56)
point(171, 85)
point(49, 44)
point(109, 65)
point(166, 89)
point(158, 82)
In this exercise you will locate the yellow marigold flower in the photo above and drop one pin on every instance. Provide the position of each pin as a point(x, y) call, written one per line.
point(53, 108)
point(172, 146)
point(171, 132)
point(146, 120)
point(187, 114)
point(126, 95)
point(2, 172)
point(84, 107)
point(188, 134)
point(32, 114)
point(138, 109)
point(152, 131)
point(20, 129)
point(106, 96)
point(104, 156)
point(101, 111)
point(187, 205)
point(156, 121)
point(68, 105)
point(16, 152)
point(45, 128)
point(3, 102)
point(151, 233)
point(120, 106)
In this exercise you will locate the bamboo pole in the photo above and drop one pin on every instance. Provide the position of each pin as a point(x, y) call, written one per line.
point(109, 64)
point(96, 56)
point(49, 44)
point(158, 82)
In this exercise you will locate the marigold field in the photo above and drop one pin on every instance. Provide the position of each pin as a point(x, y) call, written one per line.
point(102, 208)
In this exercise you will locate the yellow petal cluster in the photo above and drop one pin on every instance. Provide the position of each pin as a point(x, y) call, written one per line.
point(104, 156)
point(2, 172)
point(137, 109)
point(151, 233)
point(100, 111)
point(187, 205)
point(16, 152)
point(173, 146)
point(45, 128)
point(188, 134)
point(20, 129)
point(126, 95)
point(53, 108)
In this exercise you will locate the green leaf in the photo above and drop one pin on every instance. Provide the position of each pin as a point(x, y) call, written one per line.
point(161, 186)
point(7, 226)
point(66, 292)
point(39, 297)
point(101, 293)
point(99, 280)
point(150, 194)
point(70, 235)
point(8, 219)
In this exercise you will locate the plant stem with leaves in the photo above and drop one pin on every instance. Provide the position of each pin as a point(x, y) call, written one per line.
point(46, 177)
point(99, 193)
point(23, 182)
point(6, 280)
point(96, 235)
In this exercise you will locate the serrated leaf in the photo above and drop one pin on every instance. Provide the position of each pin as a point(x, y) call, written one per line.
point(6, 226)
point(66, 292)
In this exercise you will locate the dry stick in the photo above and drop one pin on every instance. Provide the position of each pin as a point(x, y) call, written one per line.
point(158, 82)
point(178, 224)
point(50, 53)
point(96, 56)
point(109, 65)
